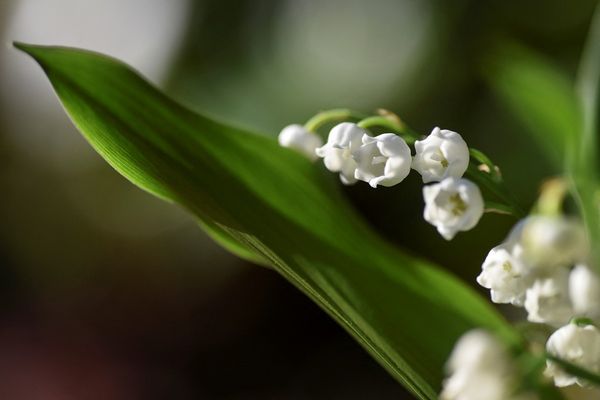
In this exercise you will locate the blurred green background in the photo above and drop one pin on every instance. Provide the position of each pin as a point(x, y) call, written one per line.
point(108, 293)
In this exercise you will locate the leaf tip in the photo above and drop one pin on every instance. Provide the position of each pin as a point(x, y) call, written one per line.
point(27, 48)
point(21, 46)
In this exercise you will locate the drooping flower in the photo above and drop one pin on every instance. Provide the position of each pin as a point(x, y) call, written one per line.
point(584, 289)
point(440, 155)
point(530, 268)
point(552, 241)
point(452, 205)
point(505, 275)
point(475, 385)
point(579, 345)
point(480, 367)
point(300, 139)
point(382, 160)
point(547, 300)
point(476, 349)
point(343, 141)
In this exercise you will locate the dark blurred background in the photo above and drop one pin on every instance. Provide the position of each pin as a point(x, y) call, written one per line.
point(108, 293)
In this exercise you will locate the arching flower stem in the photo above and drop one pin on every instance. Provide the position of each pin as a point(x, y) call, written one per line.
point(333, 115)
point(481, 169)
point(552, 195)
point(395, 126)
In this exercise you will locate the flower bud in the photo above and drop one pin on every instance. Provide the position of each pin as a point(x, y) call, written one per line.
point(382, 160)
point(547, 300)
point(300, 139)
point(578, 345)
point(452, 205)
point(343, 141)
point(584, 289)
point(505, 275)
point(440, 155)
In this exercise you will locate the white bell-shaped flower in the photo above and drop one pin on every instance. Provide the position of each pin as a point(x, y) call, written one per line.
point(382, 160)
point(477, 367)
point(547, 300)
point(474, 385)
point(579, 345)
point(505, 275)
point(476, 350)
point(300, 139)
point(584, 289)
point(553, 241)
point(343, 141)
point(440, 155)
point(480, 367)
point(453, 205)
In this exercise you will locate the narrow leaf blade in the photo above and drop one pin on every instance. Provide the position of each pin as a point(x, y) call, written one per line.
point(583, 166)
point(276, 207)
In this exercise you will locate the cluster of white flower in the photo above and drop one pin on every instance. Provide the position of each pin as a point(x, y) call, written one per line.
point(531, 268)
point(541, 266)
point(350, 150)
point(453, 204)
point(480, 367)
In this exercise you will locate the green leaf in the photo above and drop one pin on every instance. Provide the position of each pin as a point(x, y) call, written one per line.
point(588, 90)
point(563, 121)
point(270, 204)
point(583, 166)
point(540, 95)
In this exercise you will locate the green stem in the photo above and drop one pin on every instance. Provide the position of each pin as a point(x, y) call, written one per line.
point(495, 187)
point(582, 321)
point(336, 114)
point(491, 180)
point(575, 370)
point(485, 160)
point(550, 201)
point(498, 208)
point(396, 126)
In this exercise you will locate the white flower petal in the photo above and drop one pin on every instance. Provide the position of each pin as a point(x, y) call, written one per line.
point(344, 140)
point(505, 275)
point(480, 367)
point(579, 345)
point(440, 155)
point(584, 289)
point(553, 241)
point(547, 300)
point(452, 205)
point(300, 139)
point(382, 160)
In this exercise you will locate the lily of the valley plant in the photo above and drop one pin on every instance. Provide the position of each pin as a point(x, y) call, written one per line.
point(271, 202)
point(542, 266)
